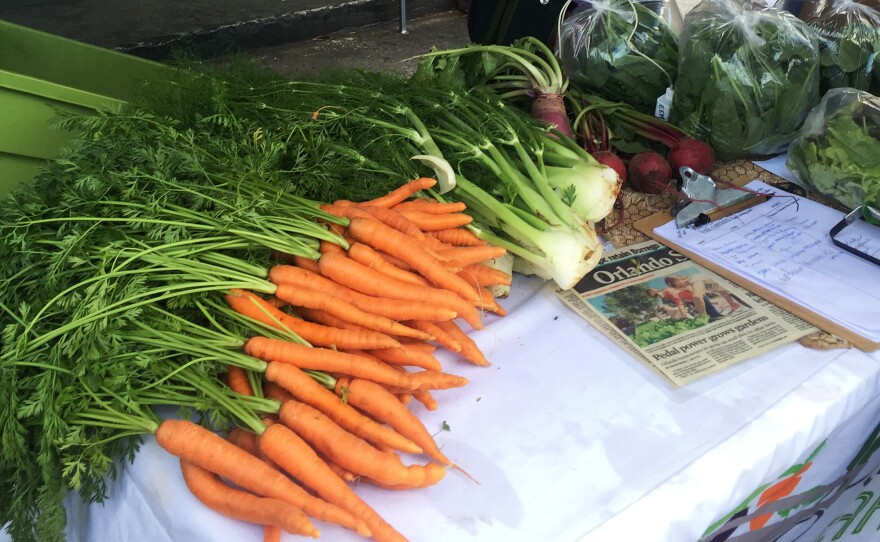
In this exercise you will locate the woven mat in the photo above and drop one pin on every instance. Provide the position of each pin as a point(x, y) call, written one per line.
point(618, 228)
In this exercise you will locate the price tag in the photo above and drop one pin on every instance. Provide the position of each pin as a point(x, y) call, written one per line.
point(664, 105)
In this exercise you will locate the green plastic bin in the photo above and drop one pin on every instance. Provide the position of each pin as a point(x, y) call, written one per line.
point(42, 74)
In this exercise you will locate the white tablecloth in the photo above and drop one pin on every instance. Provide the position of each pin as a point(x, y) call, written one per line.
point(570, 438)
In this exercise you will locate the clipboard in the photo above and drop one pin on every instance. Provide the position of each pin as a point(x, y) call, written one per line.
point(647, 225)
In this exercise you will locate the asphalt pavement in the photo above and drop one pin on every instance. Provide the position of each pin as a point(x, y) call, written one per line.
point(378, 47)
point(156, 28)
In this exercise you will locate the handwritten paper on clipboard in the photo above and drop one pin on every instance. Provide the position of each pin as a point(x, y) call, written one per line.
point(781, 250)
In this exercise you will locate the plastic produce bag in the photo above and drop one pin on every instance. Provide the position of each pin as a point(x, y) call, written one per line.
point(837, 152)
point(747, 77)
point(622, 50)
point(849, 44)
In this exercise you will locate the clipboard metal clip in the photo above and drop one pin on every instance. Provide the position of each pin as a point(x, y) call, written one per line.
point(852, 216)
point(705, 201)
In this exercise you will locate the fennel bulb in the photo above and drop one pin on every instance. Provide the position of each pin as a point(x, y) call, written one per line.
point(589, 189)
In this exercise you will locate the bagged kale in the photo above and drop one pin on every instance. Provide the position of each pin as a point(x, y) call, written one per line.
point(747, 77)
point(849, 44)
point(622, 50)
point(837, 152)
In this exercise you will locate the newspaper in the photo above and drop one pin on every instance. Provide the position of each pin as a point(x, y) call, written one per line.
point(678, 317)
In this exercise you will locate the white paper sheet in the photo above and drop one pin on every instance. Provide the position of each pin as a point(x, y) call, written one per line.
point(784, 245)
point(779, 167)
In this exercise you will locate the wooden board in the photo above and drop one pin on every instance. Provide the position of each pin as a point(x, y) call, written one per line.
point(647, 225)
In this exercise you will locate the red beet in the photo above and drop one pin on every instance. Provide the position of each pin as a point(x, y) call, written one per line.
point(693, 153)
point(649, 173)
point(608, 158)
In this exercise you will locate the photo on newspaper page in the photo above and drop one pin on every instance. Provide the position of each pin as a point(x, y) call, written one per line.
point(678, 317)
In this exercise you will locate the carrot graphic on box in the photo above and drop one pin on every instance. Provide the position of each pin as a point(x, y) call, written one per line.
point(779, 490)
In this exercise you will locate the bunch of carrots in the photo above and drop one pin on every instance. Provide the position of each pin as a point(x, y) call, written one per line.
point(371, 318)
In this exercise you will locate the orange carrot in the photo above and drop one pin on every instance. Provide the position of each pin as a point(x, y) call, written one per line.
point(434, 244)
point(484, 275)
point(425, 397)
point(366, 255)
point(301, 386)
point(246, 440)
point(436, 380)
point(400, 194)
point(396, 391)
point(407, 356)
point(288, 276)
point(345, 209)
point(443, 338)
point(400, 487)
point(489, 303)
point(450, 267)
point(420, 349)
point(426, 380)
point(296, 457)
point(305, 263)
point(368, 355)
point(422, 396)
point(346, 475)
point(271, 533)
point(338, 229)
point(398, 361)
point(368, 281)
point(397, 262)
point(323, 317)
point(469, 349)
point(459, 237)
point(465, 256)
point(400, 309)
point(426, 205)
point(350, 451)
point(382, 237)
point(327, 246)
point(257, 308)
point(208, 488)
point(191, 442)
point(271, 390)
point(421, 346)
point(299, 296)
point(384, 407)
point(322, 359)
point(389, 217)
point(277, 303)
point(237, 379)
point(434, 222)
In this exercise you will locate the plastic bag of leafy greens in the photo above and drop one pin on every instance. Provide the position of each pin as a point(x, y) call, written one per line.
point(622, 50)
point(837, 152)
point(747, 77)
point(849, 44)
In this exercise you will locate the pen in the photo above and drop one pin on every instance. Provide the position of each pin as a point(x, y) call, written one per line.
point(727, 210)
